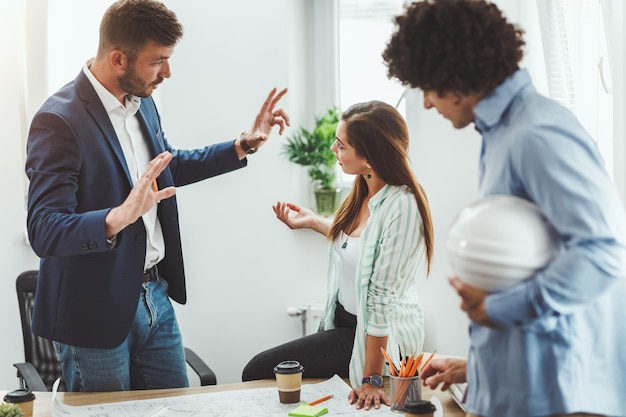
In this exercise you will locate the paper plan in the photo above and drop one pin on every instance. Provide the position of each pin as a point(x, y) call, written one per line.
point(260, 402)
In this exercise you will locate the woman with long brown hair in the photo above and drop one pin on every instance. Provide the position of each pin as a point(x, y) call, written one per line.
point(379, 238)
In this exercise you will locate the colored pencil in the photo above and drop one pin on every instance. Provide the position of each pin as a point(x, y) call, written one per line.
point(429, 358)
point(320, 400)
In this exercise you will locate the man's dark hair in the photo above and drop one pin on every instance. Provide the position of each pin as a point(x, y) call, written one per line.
point(461, 46)
point(128, 25)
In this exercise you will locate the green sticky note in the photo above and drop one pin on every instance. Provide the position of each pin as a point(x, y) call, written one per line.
point(305, 410)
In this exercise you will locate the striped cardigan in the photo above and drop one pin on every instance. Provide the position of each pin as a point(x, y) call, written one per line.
point(387, 303)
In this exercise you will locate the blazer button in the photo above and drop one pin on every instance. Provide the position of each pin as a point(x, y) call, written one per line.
point(84, 246)
point(92, 245)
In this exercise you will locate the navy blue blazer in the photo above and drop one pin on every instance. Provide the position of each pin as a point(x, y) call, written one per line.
point(87, 294)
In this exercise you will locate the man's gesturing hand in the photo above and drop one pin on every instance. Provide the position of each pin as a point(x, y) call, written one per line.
point(141, 198)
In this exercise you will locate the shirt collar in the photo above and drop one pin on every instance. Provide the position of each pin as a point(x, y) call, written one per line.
point(379, 196)
point(109, 101)
point(490, 110)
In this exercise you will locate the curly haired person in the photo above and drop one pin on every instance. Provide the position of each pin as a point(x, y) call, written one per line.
point(552, 345)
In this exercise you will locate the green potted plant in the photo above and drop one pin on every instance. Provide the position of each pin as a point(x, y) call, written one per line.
point(10, 410)
point(311, 149)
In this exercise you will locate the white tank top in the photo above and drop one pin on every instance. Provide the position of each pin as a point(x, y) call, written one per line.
point(348, 250)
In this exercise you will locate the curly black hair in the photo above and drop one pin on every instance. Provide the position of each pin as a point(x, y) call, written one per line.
point(460, 46)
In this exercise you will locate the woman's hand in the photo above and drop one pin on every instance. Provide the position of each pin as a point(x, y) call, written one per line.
point(301, 220)
point(367, 396)
point(304, 218)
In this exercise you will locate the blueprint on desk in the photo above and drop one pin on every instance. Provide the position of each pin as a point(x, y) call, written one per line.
point(260, 402)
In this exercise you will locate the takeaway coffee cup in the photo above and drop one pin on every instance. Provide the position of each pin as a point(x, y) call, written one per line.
point(418, 408)
point(24, 398)
point(289, 380)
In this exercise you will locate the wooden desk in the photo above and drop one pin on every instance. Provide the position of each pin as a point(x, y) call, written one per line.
point(43, 402)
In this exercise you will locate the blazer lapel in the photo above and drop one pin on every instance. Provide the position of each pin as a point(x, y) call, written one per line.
point(94, 106)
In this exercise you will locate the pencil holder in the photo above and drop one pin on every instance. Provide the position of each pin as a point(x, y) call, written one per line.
point(402, 389)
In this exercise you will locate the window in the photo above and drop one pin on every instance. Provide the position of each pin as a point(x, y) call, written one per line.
point(577, 66)
point(365, 27)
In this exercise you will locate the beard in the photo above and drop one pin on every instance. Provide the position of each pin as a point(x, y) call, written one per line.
point(134, 85)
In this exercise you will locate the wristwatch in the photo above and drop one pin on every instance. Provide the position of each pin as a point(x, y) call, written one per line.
point(243, 142)
point(111, 242)
point(375, 380)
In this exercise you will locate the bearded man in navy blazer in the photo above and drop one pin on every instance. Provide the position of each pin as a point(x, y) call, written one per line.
point(102, 214)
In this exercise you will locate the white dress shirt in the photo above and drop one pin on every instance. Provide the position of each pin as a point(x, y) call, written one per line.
point(137, 156)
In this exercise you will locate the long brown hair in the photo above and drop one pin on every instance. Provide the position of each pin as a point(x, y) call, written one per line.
point(378, 133)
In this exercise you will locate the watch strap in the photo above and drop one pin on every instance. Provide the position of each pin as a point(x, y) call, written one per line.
point(374, 380)
point(111, 242)
point(243, 142)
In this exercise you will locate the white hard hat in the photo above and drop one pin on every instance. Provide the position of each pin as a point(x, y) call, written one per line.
point(498, 241)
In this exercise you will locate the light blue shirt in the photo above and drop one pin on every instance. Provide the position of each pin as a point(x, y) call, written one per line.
point(559, 345)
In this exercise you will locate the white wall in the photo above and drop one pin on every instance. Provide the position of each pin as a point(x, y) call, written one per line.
point(16, 255)
point(445, 161)
point(244, 268)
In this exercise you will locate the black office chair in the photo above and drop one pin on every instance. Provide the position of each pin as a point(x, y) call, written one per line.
point(41, 367)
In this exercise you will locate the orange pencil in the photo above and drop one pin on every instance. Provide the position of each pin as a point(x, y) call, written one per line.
point(154, 186)
point(429, 358)
point(409, 365)
point(392, 367)
point(416, 364)
point(419, 359)
point(403, 366)
point(320, 400)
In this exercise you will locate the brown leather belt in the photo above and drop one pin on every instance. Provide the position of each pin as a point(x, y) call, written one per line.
point(151, 274)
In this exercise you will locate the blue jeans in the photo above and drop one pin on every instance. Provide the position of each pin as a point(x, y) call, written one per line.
point(151, 357)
